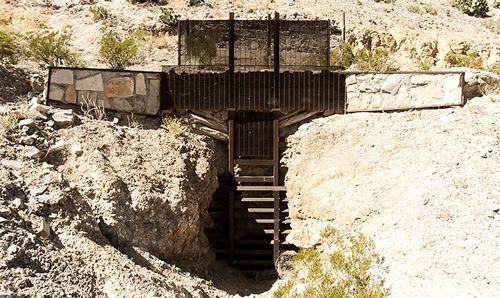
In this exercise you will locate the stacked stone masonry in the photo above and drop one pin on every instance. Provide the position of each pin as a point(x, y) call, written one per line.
point(399, 91)
point(127, 91)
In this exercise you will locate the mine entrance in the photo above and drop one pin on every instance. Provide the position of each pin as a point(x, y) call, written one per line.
point(243, 81)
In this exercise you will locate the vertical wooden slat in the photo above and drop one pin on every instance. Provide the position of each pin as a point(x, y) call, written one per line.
point(276, 244)
point(231, 191)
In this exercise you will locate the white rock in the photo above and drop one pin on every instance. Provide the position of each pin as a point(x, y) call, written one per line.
point(483, 152)
point(76, 150)
point(47, 166)
point(37, 191)
point(58, 146)
point(32, 152)
point(44, 229)
point(63, 118)
point(2, 220)
point(13, 164)
point(40, 108)
point(27, 122)
point(495, 207)
point(18, 203)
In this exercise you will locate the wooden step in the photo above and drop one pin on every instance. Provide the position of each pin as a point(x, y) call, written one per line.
point(254, 162)
point(260, 200)
point(287, 221)
point(286, 232)
point(254, 178)
point(255, 210)
point(260, 188)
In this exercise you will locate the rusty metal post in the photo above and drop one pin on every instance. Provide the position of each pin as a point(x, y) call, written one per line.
point(232, 103)
point(276, 194)
point(276, 58)
point(231, 191)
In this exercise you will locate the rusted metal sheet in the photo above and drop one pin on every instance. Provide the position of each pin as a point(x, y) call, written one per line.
point(255, 91)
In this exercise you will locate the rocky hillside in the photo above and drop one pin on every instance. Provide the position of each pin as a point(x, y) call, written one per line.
point(95, 204)
point(414, 32)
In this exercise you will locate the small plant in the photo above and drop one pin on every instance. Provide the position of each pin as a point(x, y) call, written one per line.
point(117, 53)
point(195, 2)
point(91, 108)
point(493, 25)
point(476, 8)
point(168, 17)
point(9, 47)
point(7, 122)
point(52, 48)
point(495, 69)
point(415, 9)
point(373, 60)
point(342, 55)
point(424, 64)
point(342, 273)
point(471, 60)
point(99, 12)
point(174, 125)
point(430, 10)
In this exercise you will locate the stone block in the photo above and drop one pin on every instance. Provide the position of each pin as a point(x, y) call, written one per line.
point(140, 84)
point(62, 76)
point(153, 102)
point(451, 82)
point(453, 97)
point(350, 80)
point(80, 74)
point(421, 79)
point(70, 94)
point(92, 83)
point(56, 93)
point(119, 87)
point(121, 104)
point(392, 84)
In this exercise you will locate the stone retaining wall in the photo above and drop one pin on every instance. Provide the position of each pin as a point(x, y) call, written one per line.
point(127, 91)
point(399, 90)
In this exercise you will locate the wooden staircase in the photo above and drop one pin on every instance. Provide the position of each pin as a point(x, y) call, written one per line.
point(250, 208)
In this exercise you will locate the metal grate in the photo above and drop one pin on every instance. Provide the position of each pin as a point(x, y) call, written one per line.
point(253, 134)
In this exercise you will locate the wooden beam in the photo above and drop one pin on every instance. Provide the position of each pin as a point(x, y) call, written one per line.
point(208, 122)
point(296, 119)
point(218, 135)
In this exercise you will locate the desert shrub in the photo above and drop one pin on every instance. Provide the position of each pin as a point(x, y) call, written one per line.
point(7, 122)
point(471, 60)
point(99, 12)
point(168, 17)
point(373, 60)
point(117, 53)
point(342, 55)
point(476, 8)
point(430, 10)
point(342, 273)
point(424, 64)
point(195, 2)
point(51, 48)
point(415, 9)
point(493, 25)
point(495, 69)
point(9, 47)
point(174, 125)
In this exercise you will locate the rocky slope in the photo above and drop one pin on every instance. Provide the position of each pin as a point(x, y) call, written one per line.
point(425, 185)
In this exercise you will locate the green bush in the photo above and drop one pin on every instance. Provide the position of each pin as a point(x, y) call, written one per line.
point(9, 48)
point(342, 273)
point(99, 12)
point(476, 8)
point(373, 60)
point(342, 55)
point(471, 60)
point(52, 48)
point(117, 53)
point(174, 125)
point(195, 2)
point(168, 17)
point(430, 10)
point(415, 9)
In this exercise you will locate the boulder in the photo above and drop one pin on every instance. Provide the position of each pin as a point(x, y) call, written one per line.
point(64, 118)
